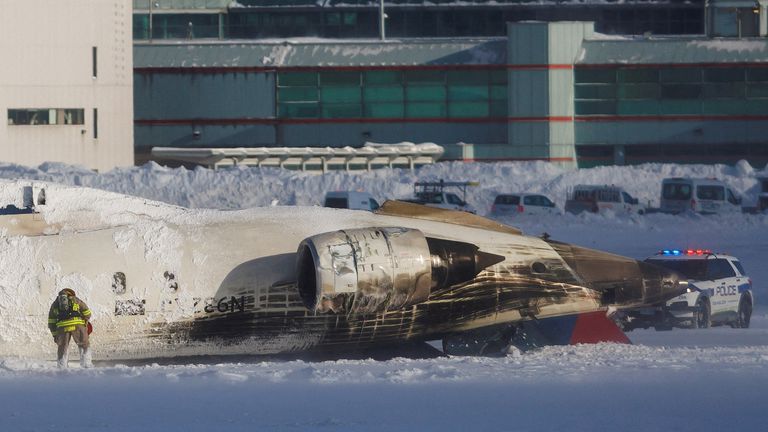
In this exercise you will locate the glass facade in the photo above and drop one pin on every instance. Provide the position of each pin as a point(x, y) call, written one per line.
point(662, 20)
point(641, 91)
point(351, 19)
point(385, 94)
point(176, 26)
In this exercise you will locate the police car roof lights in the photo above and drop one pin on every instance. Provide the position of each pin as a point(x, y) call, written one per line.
point(681, 252)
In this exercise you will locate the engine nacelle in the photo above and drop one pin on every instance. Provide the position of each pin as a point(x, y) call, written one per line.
point(364, 270)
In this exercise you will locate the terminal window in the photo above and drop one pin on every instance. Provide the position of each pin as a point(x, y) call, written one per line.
point(413, 93)
point(46, 116)
point(672, 90)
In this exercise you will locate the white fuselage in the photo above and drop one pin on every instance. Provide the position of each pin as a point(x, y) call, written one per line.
point(148, 278)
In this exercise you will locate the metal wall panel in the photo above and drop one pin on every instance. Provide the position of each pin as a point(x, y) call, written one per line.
point(565, 47)
point(674, 50)
point(528, 93)
point(527, 43)
point(206, 96)
point(665, 132)
point(267, 54)
point(203, 136)
point(566, 40)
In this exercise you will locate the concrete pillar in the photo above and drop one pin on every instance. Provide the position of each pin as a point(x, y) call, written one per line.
point(540, 89)
point(467, 152)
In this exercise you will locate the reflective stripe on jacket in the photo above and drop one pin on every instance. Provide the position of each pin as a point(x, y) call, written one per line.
point(65, 321)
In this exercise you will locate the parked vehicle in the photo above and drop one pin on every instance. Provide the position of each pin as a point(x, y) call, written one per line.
point(706, 196)
point(434, 194)
point(597, 199)
point(350, 200)
point(720, 292)
point(522, 204)
point(762, 198)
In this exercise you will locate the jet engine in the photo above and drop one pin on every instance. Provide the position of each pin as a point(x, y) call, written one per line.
point(379, 269)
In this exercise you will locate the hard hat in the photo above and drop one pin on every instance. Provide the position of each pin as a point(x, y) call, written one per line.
point(67, 291)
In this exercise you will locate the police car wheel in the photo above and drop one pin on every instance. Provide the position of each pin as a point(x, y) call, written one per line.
point(745, 313)
point(701, 316)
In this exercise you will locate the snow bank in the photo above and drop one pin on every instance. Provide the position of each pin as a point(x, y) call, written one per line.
point(243, 187)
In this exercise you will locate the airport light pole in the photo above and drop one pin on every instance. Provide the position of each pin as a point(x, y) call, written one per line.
point(382, 18)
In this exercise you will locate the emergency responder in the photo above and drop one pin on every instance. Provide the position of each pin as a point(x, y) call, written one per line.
point(68, 318)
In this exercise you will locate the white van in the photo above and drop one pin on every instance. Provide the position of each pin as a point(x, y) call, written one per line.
point(350, 200)
point(522, 204)
point(707, 196)
point(598, 199)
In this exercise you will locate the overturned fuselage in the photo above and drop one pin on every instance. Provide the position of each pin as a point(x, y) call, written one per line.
point(290, 279)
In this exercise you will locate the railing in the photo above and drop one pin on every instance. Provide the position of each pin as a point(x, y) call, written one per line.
point(319, 159)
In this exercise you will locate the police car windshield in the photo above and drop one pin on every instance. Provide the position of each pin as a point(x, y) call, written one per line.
point(692, 269)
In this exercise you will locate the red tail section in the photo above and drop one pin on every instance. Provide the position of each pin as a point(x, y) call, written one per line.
point(596, 327)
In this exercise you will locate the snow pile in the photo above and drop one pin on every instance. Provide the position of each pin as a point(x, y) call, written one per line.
point(243, 187)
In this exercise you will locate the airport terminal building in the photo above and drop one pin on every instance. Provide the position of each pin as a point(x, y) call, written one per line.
point(66, 83)
point(584, 84)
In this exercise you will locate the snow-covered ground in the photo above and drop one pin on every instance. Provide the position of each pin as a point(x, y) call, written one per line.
point(661, 383)
point(683, 380)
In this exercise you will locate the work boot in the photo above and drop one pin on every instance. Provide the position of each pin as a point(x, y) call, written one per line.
point(63, 362)
point(85, 358)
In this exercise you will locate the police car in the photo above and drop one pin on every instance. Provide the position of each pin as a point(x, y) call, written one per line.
point(720, 292)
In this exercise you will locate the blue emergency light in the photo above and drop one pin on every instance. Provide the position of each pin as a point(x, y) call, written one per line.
point(678, 252)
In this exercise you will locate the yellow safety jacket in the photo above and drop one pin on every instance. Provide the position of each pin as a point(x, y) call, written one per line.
point(64, 319)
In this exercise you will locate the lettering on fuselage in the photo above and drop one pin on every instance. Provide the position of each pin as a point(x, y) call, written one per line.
point(229, 304)
point(209, 305)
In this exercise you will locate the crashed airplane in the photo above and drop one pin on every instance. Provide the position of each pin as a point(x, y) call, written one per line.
point(164, 281)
